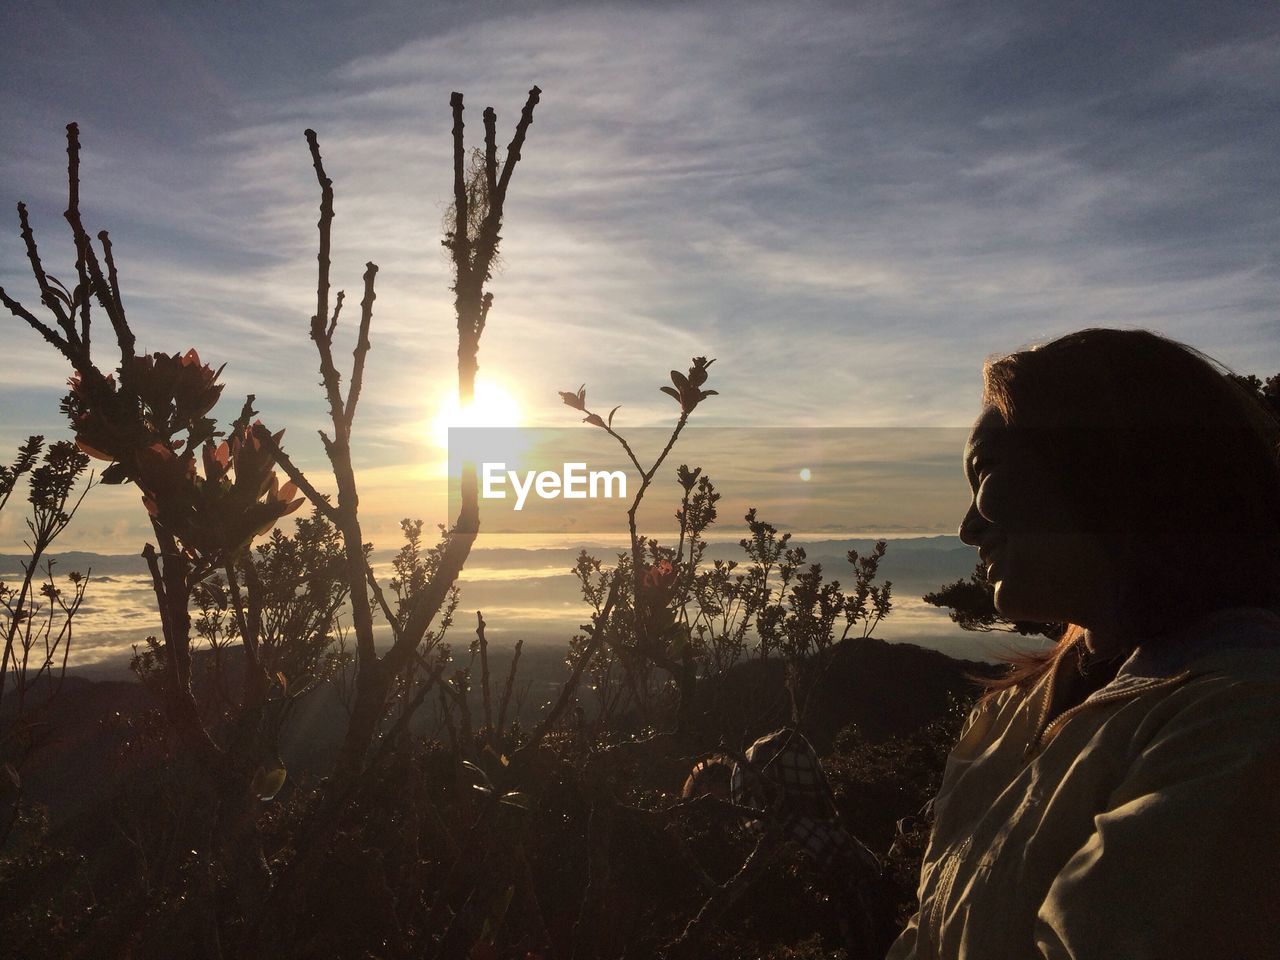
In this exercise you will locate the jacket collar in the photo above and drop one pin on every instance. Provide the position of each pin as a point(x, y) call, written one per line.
point(1221, 633)
point(1209, 644)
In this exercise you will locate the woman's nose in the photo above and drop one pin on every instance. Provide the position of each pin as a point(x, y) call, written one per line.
point(973, 526)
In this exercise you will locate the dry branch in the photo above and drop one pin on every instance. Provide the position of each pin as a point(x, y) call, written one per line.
point(362, 342)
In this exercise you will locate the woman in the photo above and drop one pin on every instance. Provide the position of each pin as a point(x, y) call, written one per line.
point(1118, 797)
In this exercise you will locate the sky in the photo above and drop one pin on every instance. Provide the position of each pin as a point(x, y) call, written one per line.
point(849, 206)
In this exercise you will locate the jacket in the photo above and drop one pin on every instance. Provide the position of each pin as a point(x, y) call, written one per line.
point(1143, 823)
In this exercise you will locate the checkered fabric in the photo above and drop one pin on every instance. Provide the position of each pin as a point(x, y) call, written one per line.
point(784, 778)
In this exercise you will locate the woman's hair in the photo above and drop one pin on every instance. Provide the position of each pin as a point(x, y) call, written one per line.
point(1166, 456)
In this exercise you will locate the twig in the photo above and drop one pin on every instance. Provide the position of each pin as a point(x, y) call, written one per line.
point(461, 243)
point(506, 693)
point(112, 278)
point(47, 296)
point(587, 928)
point(571, 685)
point(402, 721)
point(22, 313)
point(86, 257)
point(490, 151)
point(484, 675)
point(493, 220)
point(337, 312)
point(382, 602)
point(726, 896)
point(318, 500)
point(362, 342)
point(328, 372)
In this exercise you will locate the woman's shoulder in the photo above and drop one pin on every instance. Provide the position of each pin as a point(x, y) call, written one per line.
point(1224, 681)
point(1238, 643)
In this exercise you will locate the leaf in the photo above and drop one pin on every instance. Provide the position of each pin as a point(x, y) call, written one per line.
point(92, 451)
point(671, 391)
point(514, 798)
point(576, 400)
point(593, 419)
point(13, 775)
point(612, 412)
point(268, 780)
point(62, 293)
point(679, 379)
point(116, 473)
point(478, 771)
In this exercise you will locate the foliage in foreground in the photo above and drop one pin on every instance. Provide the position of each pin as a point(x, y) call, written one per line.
point(490, 833)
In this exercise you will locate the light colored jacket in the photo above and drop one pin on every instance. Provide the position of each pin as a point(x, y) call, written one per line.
point(1141, 824)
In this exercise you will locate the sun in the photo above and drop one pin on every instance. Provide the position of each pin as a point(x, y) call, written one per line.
point(493, 406)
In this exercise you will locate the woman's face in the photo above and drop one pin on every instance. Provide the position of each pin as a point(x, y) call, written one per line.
point(1045, 567)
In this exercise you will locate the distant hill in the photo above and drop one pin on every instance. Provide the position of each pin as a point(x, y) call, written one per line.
point(102, 564)
point(908, 558)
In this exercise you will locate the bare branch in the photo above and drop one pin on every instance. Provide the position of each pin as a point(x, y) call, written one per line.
point(73, 170)
point(382, 603)
point(248, 635)
point(337, 310)
point(506, 693)
point(362, 342)
point(84, 249)
point(402, 722)
point(513, 148)
point(105, 239)
point(324, 346)
point(454, 556)
point(47, 296)
point(484, 674)
point(488, 239)
point(490, 150)
point(599, 624)
point(88, 260)
point(461, 242)
point(22, 313)
point(726, 896)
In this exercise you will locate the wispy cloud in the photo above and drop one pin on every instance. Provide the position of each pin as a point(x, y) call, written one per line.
point(849, 205)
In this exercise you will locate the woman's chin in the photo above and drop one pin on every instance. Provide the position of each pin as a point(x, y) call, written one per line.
point(1010, 604)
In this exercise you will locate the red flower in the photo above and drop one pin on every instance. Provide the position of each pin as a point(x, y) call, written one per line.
point(660, 575)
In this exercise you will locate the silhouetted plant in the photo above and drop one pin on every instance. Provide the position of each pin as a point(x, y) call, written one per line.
point(971, 604)
point(472, 259)
point(495, 835)
point(39, 610)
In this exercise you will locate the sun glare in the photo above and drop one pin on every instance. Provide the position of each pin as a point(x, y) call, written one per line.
point(493, 406)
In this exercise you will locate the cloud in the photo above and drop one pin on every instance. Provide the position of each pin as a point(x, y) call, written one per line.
point(849, 205)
